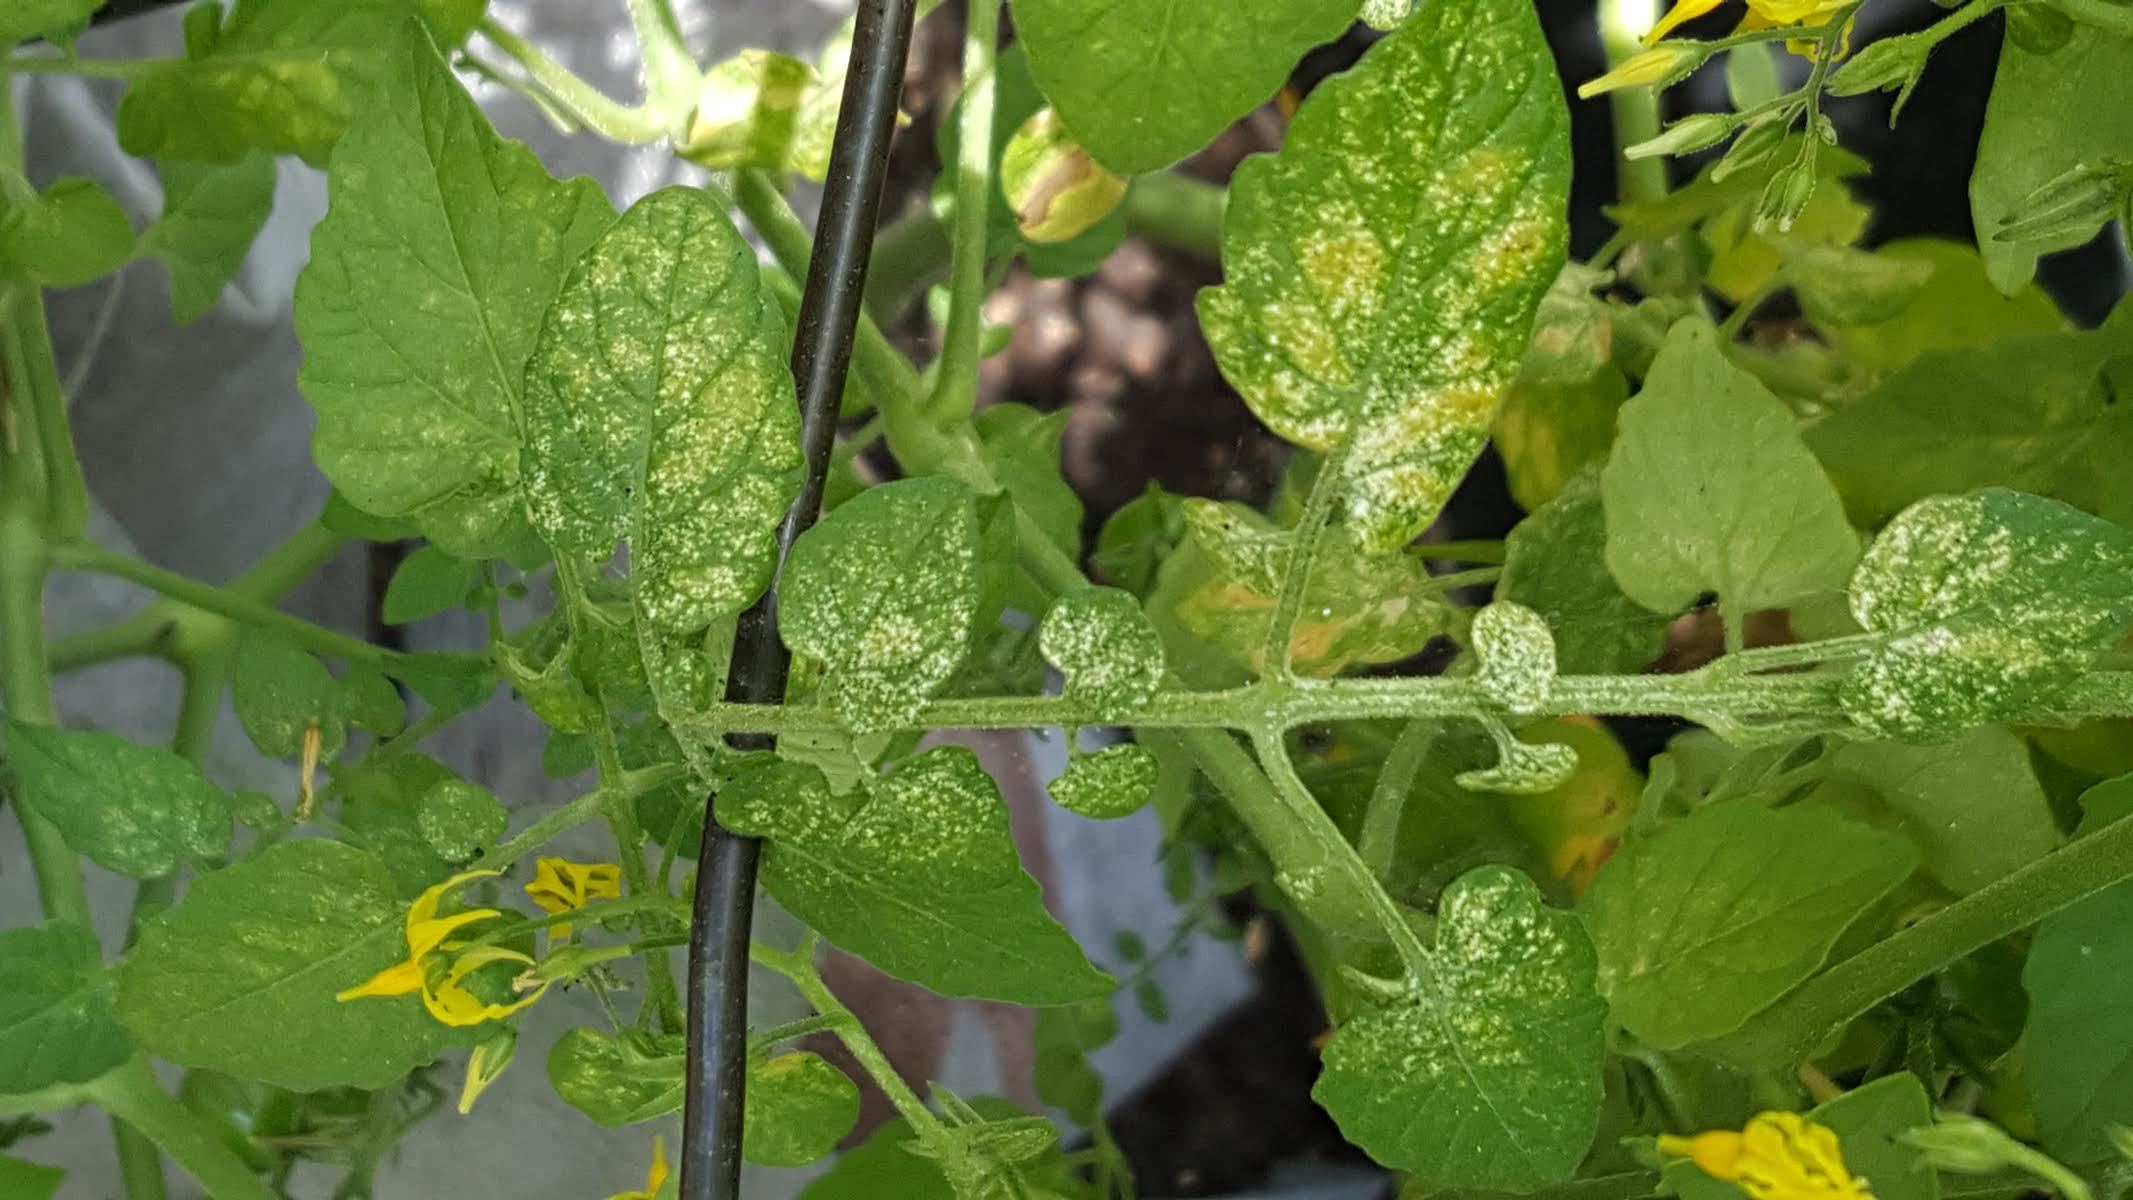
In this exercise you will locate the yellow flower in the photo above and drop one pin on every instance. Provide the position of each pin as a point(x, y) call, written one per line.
point(1762, 14)
point(450, 1002)
point(487, 1062)
point(653, 1178)
point(1660, 65)
point(561, 886)
point(1777, 1156)
point(443, 988)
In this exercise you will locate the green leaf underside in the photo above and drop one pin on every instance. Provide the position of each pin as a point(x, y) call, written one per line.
point(615, 1081)
point(1989, 604)
point(1707, 922)
point(919, 878)
point(1554, 564)
point(2079, 1035)
point(1143, 83)
point(241, 975)
point(56, 1019)
point(1110, 783)
point(137, 810)
point(884, 591)
point(441, 249)
point(211, 213)
point(70, 233)
point(1490, 1078)
point(798, 1108)
point(1106, 647)
point(1383, 270)
point(1709, 489)
point(1973, 806)
point(659, 410)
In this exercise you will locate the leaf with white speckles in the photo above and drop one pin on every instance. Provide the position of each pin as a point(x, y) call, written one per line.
point(884, 591)
point(1490, 1076)
point(56, 1021)
point(659, 410)
point(1383, 270)
point(1522, 768)
point(1709, 921)
point(1710, 489)
point(799, 1106)
point(137, 810)
point(1112, 782)
point(441, 248)
point(917, 876)
point(1517, 653)
point(1106, 647)
point(1990, 603)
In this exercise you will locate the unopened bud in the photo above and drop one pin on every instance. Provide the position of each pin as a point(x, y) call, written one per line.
point(1685, 136)
point(1786, 197)
point(1755, 144)
point(487, 1062)
point(2071, 206)
point(1055, 189)
point(1891, 64)
point(1661, 66)
point(1965, 1144)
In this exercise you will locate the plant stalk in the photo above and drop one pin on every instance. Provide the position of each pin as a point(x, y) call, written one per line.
point(955, 387)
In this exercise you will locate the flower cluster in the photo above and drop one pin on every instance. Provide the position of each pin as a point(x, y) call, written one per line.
point(1776, 1156)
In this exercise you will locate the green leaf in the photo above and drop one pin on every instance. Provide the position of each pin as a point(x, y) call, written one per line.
point(1973, 806)
point(427, 582)
point(918, 876)
point(26, 19)
point(1490, 1076)
point(799, 1107)
point(21, 1179)
point(137, 810)
point(56, 1020)
point(884, 591)
point(279, 690)
point(886, 1164)
point(452, 682)
point(1113, 782)
point(1382, 270)
point(1989, 604)
point(459, 819)
point(382, 805)
point(2080, 1028)
point(616, 1081)
point(1106, 647)
point(2032, 136)
point(660, 411)
point(1142, 85)
point(240, 975)
point(1957, 309)
point(371, 700)
point(71, 233)
point(2038, 413)
point(211, 213)
point(1554, 564)
point(1062, 1039)
point(1022, 446)
point(1515, 653)
point(441, 248)
point(1549, 432)
point(1707, 922)
point(1870, 1121)
point(1137, 538)
point(1710, 489)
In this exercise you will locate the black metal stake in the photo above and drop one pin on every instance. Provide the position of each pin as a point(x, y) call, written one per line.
point(829, 312)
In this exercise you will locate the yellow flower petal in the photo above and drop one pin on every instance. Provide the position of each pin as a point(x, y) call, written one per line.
point(654, 1179)
point(450, 1002)
point(1776, 1156)
point(560, 885)
point(396, 980)
point(1683, 12)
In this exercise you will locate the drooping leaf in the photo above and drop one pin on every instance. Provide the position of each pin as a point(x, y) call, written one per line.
point(441, 248)
point(1490, 1076)
point(137, 810)
point(799, 1107)
point(1110, 783)
point(280, 690)
point(71, 233)
point(427, 582)
point(918, 876)
point(884, 591)
point(211, 213)
point(1973, 806)
point(25, 19)
point(1710, 489)
point(56, 1019)
point(616, 1081)
point(2079, 1034)
point(1989, 603)
point(659, 410)
point(1103, 643)
point(240, 975)
point(1383, 269)
point(1554, 564)
point(1144, 85)
point(1708, 921)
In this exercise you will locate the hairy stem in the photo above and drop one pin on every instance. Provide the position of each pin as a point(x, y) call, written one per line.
point(131, 1094)
point(1379, 842)
point(1304, 542)
point(799, 968)
point(584, 103)
point(34, 383)
point(955, 386)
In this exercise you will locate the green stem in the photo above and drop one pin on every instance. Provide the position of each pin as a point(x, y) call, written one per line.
point(671, 77)
point(95, 68)
point(547, 828)
point(1635, 109)
point(586, 104)
point(131, 1094)
point(36, 375)
point(909, 256)
point(1483, 550)
point(1176, 211)
point(955, 387)
point(1379, 842)
point(799, 968)
point(1304, 542)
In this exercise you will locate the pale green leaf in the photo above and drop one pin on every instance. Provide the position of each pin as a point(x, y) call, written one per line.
point(1989, 604)
point(211, 213)
point(748, 113)
point(427, 582)
point(616, 1081)
point(1112, 782)
point(71, 233)
point(918, 876)
point(280, 690)
point(441, 248)
point(659, 410)
point(240, 975)
point(22, 20)
point(799, 1107)
point(137, 810)
point(1143, 84)
point(1106, 647)
point(56, 1019)
point(884, 591)
point(1490, 1076)
point(1516, 653)
point(1710, 489)
point(1554, 564)
point(1973, 806)
point(1710, 920)
point(1383, 269)
point(1549, 432)
point(1958, 308)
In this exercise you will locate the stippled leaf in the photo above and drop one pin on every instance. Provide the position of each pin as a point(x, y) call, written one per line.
point(1522, 768)
point(1973, 806)
point(799, 1107)
point(211, 213)
point(1989, 604)
point(884, 591)
point(458, 819)
point(1710, 489)
point(659, 410)
point(56, 1020)
point(917, 875)
point(138, 810)
point(280, 690)
point(1490, 1076)
point(70, 233)
point(240, 975)
point(441, 248)
point(1707, 922)
point(1554, 564)
point(1106, 647)
point(1517, 655)
point(1110, 783)
point(1383, 269)
point(2079, 1033)
point(616, 1081)
point(1142, 85)
point(381, 807)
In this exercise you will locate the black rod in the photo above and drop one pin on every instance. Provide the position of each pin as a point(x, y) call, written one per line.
point(724, 903)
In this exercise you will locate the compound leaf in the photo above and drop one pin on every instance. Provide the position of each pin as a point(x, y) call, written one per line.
point(211, 213)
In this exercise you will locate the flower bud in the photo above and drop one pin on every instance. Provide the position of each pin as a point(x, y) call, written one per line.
point(1891, 64)
point(1786, 197)
point(1055, 189)
point(1661, 66)
point(1685, 136)
point(2071, 206)
point(1966, 1145)
point(1749, 149)
point(487, 1062)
